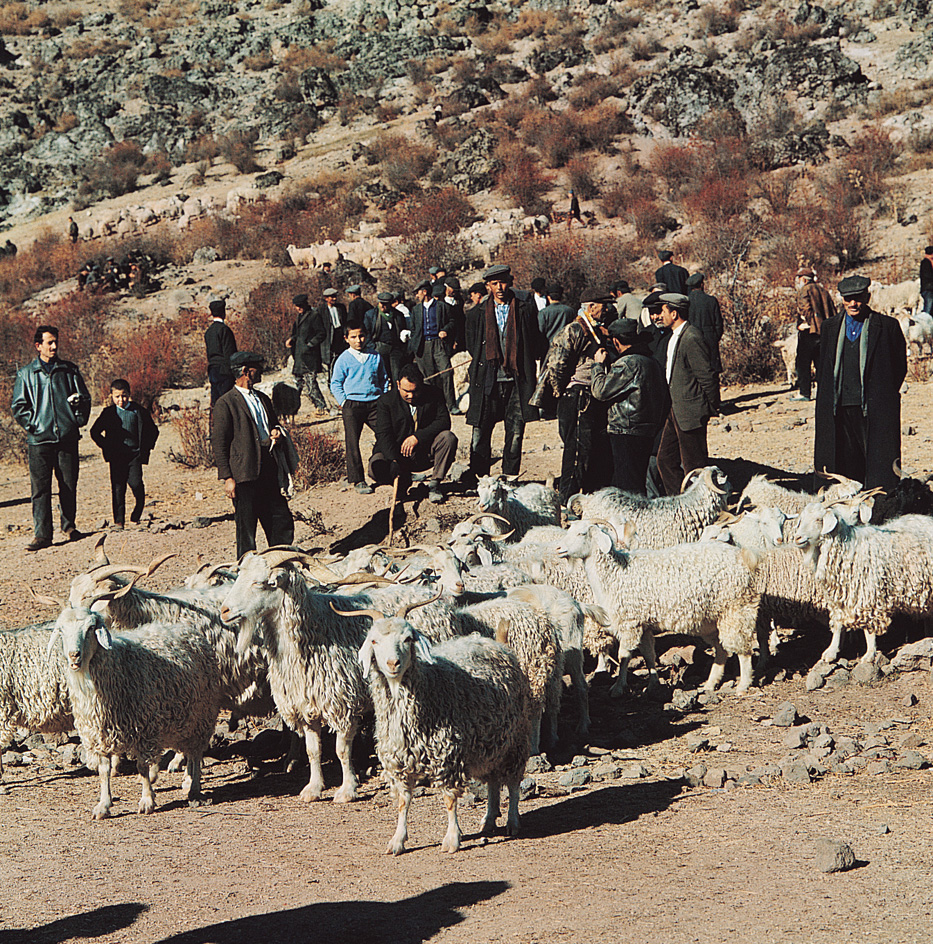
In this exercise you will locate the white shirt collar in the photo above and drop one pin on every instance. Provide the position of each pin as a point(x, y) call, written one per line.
point(672, 348)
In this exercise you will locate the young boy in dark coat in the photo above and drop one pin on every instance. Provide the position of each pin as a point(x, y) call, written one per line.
point(126, 434)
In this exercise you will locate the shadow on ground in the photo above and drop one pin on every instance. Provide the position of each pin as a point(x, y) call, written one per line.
point(96, 923)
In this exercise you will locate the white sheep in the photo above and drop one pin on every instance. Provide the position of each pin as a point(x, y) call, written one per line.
point(787, 347)
point(523, 506)
point(761, 492)
point(760, 528)
point(139, 693)
point(703, 589)
point(660, 522)
point(456, 710)
point(301, 257)
point(889, 298)
point(917, 328)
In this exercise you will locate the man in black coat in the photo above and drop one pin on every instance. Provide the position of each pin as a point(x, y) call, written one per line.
point(245, 430)
point(863, 362)
point(432, 327)
point(384, 328)
point(334, 317)
point(672, 275)
point(308, 334)
point(221, 345)
point(504, 342)
point(412, 429)
point(706, 315)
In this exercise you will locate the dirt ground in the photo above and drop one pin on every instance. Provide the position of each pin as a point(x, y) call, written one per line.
point(634, 855)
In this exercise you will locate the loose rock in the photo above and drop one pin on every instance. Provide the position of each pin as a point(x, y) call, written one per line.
point(833, 855)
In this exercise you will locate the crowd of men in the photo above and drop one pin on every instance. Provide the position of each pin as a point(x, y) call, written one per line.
point(632, 381)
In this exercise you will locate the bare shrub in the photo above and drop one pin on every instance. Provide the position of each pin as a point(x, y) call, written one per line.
point(422, 250)
point(259, 62)
point(403, 162)
point(552, 133)
point(580, 174)
point(753, 323)
point(203, 148)
point(521, 178)
point(239, 149)
point(115, 172)
point(443, 211)
point(321, 457)
point(870, 159)
point(592, 88)
point(319, 56)
point(266, 320)
point(194, 431)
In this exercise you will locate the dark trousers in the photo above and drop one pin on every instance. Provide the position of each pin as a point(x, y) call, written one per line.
point(261, 501)
point(808, 352)
point(501, 405)
point(308, 381)
point(679, 452)
point(581, 424)
point(125, 472)
point(60, 459)
point(850, 442)
point(630, 457)
point(220, 383)
point(438, 456)
point(435, 358)
point(356, 415)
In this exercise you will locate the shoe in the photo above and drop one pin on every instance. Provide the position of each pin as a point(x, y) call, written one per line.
point(117, 526)
point(419, 476)
point(798, 396)
point(38, 545)
point(75, 535)
point(319, 413)
point(435, 495)
point(362, 488)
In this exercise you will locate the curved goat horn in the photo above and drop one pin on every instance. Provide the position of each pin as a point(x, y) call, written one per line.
point(707, 476)
point(372, 614)
point(46, 600)
point(406, 608)
point(608, 524)
point(361, 576)
point(487, 514)
point(157, 562)
point(111, 570)
point(100, 555)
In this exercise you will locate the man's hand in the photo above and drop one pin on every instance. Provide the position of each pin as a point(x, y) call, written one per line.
point(230, 488)
point(288, 342)
point(442, 334)
point(274, 434)
point(803, 327)
point(600, 356)
point(408, 446)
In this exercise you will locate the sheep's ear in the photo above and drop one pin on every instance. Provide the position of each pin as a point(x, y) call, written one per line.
point(366, 657)
point(829, 523)
point(603, 541)
point(103, 637)
point(628, 533)
point(485, 556)
point(421, 647)
point(864, 512)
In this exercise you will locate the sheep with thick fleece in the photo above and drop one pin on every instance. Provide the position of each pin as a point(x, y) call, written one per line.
point(33, 688)
point(868, 572)
point(761, 528)
point(660, 522)
point(139, 693)
point(761, 492)
point(523, 506)
point(704, 589)
point(445, 713)
point(889, 298)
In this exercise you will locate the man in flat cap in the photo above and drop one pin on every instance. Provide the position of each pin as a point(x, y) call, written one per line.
point(635, 391)
point(706, 316)
point(814, 306)
point(308, 334)
point(245, 431)
point(221, 345)
point(503, 340)
point(334, 316)
point(863, 362)
point(581, 419)
point(694, 390)
point(672, 275)
point(384, 329)
point(431, 331)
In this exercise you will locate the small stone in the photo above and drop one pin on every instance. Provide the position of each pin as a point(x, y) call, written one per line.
point(200, 522)
point(911, 760)
point(877, 767)
point(527, 788)
point(882, 829)
point(910, 741)
point(71, 755)
point(538, 764)
point(840, 678)
point(607, 772)
point(875, 740)
point(797, 772)
point(915, 656)
point(684, 700)
point(748, 779)
point(724, 748)
point(575, 778)
point(795, 738)
point(833, 855)
point(715, 777)
point(432, 525)
point(767, 771)
point(12, 759)
point(823, 741)
point(579, 761)
point(633, 772)
point(785, 716)
point(866, 673)
point(696, 743)
point(694, 775)
point(908, 701)
point(814, 681)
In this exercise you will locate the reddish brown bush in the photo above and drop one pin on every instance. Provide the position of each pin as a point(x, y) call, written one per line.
point(239, 149)
point(115, 172)
point(552, 133)
point(403, 161)
point(580, 174)
point(443, 211)
point(194, 431)
point(321, 457)
point(521, 178)
point(423, 250)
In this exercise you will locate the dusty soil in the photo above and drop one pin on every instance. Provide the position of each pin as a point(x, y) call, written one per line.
point(638, 858)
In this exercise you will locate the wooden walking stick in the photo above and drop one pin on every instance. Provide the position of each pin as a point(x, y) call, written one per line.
point(392, 511)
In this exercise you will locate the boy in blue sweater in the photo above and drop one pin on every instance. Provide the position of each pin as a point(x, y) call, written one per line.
point(357, 381)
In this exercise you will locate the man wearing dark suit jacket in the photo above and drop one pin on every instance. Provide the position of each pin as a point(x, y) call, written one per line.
point(672, 275)
point(334, 316)
point(412, 429)
point(432, 326)
point(221, 345)
point(307, 336)
point(694, 395)
point(245, 430)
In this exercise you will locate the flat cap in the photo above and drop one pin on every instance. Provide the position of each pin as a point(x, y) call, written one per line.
point(247, 359)
point(424, 284)
point(627, 330)
point(665, 255)
point(696, 279)
point(330, 293)
point(452, 282)
point(433, 270)
point(596, 295)
point(385, 297)
point(355, 289)
point(300, 301)
point(477, 288)
point(218, 308)
point(652, 301)
point(537, 285)
point(497, 272)
point(853, 285)
point(805, 273)
point(438, 290)
point(675, 300)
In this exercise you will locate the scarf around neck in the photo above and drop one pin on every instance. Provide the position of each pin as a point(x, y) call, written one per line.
point(508, 358)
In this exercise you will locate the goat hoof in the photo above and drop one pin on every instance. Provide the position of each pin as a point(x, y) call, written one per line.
point(146, 806)
point(395, 848)
point(344, 796)
point(101, 812)
point(310, 794)
point(195, 801)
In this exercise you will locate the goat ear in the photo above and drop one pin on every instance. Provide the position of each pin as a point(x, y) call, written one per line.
point(603, 541)
point(366, 657)
point(421, 647)
point(103, 637)
point(864, 512)
point(829, 523)
point(485, 556)
point(628, 533)
point(55, 634)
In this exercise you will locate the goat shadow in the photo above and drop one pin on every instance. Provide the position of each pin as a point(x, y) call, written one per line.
point(107, 919)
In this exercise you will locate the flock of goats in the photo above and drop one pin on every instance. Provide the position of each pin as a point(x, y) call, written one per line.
point(459, 649)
